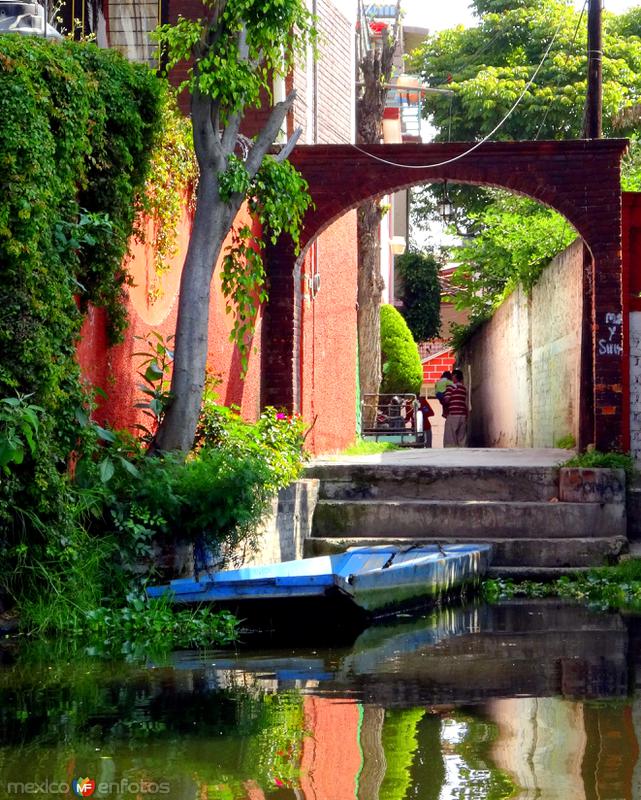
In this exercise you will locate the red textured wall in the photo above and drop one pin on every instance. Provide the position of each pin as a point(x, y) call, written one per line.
point(631, 278)
point(327, 341)
point(329, 335)
point(153, 304)
point(433, 367)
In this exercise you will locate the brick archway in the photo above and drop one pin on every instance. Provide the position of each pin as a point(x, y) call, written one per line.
point(580, 179)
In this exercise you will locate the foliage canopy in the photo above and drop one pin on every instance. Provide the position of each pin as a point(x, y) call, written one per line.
point(517, 239)
point(421, 293)
point(487, 68)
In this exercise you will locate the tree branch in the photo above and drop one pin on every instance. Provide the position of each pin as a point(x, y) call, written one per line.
point(230, 133)
point(205, 143)
point(291, 144)
point(268, 134)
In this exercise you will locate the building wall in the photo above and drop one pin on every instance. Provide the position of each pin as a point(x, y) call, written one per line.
point(632, 314)
point(523, 366)
point(325, 341)
point(328, 359)
point(434, 366)
point(153, 305)
point(129, 24)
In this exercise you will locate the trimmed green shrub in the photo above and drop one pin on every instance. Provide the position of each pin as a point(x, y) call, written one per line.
point(402, 368)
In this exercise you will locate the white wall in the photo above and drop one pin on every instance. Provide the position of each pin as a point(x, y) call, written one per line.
point(525, 362)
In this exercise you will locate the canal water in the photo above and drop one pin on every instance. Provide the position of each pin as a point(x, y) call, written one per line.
point(525, 699)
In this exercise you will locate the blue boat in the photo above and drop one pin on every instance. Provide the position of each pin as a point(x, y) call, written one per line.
point(373, 580)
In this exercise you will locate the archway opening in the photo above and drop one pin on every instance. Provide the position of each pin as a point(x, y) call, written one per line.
point(558, 174)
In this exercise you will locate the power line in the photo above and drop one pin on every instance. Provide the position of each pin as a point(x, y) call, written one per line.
point(485, 138)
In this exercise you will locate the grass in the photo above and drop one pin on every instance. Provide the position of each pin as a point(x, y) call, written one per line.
point(594, 458)
point(362, 447)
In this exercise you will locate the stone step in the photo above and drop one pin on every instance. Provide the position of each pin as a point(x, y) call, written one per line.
point(539, 553)
point(424, 482)
point(467, 519)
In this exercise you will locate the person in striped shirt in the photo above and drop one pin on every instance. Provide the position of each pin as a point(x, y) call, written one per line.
point(455, 403)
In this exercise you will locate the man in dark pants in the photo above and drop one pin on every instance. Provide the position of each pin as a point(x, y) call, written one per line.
point(455, 403)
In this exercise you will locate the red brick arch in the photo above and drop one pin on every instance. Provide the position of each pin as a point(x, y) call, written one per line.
point(580, 179)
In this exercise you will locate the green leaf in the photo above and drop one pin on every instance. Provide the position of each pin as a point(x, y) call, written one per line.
point(106, 435)
point(129, 467)
point(106, 470)
point(153, 372)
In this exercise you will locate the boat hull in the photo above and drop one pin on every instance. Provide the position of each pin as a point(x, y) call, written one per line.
point(373, 580)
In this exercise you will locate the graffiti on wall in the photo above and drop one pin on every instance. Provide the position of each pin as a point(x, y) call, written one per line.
point(610, 344)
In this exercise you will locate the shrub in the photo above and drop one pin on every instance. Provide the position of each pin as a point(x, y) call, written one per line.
point(402, 368)
point(276, 438)
point(77, 125)
point(218, 496)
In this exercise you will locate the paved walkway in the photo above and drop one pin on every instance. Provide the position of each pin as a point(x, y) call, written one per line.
point(458, 457)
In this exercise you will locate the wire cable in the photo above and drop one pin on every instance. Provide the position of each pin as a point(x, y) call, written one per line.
point(484, 139)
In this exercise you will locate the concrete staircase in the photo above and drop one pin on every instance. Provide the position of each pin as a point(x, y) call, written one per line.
point(518, 510)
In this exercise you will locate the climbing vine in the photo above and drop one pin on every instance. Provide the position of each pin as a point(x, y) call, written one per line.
point(278, 198)
point(77, 125)
point(172, 178)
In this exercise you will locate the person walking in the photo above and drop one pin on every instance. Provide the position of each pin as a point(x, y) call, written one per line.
point(455, 404)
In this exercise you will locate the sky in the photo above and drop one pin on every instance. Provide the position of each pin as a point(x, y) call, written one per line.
point(439, 15)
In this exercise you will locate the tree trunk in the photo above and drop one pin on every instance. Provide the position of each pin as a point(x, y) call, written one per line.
point(375, 68)
point(212, 221)
point(370, 289)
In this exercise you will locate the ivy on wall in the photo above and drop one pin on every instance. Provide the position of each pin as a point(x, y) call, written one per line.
point(172, 179)
point(77, 125)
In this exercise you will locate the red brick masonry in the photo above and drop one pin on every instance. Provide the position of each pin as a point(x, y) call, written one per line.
point(580, 179)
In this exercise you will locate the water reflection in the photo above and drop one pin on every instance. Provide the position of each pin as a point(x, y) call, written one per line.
point(528, 700)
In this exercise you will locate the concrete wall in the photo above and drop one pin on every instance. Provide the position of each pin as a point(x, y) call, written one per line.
point(523, 365)
point(281, 536)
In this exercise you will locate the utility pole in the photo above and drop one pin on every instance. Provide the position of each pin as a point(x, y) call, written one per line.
point(592, 128)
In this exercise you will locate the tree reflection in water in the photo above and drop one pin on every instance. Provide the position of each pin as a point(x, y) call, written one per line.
point(528, 700)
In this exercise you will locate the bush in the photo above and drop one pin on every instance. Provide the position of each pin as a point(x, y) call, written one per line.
point(218, 496)
point(77, 125)
point(402, 368)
